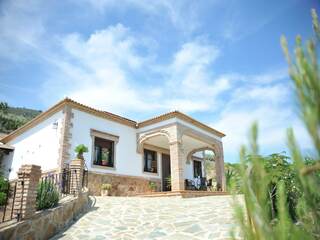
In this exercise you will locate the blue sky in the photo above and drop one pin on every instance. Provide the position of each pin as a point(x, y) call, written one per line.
point(219, 61)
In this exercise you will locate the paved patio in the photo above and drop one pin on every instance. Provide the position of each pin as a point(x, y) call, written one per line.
point(155, 218)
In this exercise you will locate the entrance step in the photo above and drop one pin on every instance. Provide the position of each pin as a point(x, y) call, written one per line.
point(183, 194)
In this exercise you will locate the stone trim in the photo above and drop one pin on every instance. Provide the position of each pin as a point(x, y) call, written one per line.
point(212, 148)
point(158, 162)
point(141, 138)
point(95, 133)
point(195, 158)
point(65, 137)
point(104, 135)
point(181, 116)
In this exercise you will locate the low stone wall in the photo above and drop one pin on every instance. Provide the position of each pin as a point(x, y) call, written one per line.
point(45, 224)
point(121, 185)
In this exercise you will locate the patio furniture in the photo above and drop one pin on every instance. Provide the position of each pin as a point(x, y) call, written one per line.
point(189, 185)
point(203, 184)
point(212, 186)
point(197, 183)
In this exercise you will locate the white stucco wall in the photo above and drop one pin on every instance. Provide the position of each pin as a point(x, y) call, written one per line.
point(38, 145)
point(127, 160)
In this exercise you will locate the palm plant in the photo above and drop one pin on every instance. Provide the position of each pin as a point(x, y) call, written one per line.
point(80, 149)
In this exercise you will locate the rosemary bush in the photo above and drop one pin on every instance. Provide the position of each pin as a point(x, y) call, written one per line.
point(47, 195)
point(255, 220)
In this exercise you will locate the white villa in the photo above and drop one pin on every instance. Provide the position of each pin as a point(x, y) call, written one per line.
point(123, 152)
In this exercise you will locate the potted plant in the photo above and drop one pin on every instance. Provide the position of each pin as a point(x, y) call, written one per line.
point(152, 186)
point(168, 182)
point(105, 189)
point(105, 157)
point(80, 149)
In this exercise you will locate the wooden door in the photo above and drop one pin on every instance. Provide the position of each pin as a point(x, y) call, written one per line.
point(166, 172)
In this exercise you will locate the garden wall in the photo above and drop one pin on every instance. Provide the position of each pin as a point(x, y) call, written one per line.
point(45, 224)
point(121, 185)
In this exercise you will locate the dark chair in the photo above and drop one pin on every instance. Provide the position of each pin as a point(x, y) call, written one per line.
point(189, 185)
point(209, 183)
point(203, 184)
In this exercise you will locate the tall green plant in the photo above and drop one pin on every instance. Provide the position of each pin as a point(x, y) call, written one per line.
point(4, 184)
point(47, 195)
point(255, 222)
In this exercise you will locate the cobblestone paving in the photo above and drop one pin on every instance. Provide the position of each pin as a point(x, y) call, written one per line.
point(155, 218)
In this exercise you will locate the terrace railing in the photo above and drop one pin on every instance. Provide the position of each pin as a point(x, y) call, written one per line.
point(8, 210)
point(67, 182)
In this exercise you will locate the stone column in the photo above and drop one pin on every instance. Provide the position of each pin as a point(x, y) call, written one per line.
point(176, 158)
point(76, 175)
point(26, 191)
point(221, 180)
point(65, 137)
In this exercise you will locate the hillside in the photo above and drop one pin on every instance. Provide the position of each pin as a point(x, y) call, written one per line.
point(12, 118)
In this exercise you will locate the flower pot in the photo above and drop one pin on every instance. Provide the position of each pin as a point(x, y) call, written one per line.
point(104, 163)
point(105, 193)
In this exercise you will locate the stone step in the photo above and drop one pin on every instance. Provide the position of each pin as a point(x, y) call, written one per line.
point(184, 194)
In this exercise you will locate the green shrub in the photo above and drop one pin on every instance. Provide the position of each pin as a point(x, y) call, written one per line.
point(255, 220)
point(152, 186)
point(4, 184)
point(80, 149)
point(106, 186)
point(3, 198)
point(47, 195)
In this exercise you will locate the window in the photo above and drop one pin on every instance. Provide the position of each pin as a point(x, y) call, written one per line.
point(103, 152)
point(150, 161)
point(197, 169)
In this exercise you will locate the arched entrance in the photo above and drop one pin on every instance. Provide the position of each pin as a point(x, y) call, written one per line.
point(174, 145)
point(205, 163)
point(157, 143)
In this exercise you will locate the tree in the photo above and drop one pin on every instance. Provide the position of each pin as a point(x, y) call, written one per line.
point(4, 107)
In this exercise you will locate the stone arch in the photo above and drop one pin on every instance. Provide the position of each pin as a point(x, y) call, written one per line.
point(146, 136)
point(212, 148)
point(218, 160)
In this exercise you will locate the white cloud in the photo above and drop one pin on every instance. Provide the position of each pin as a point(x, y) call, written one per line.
point(108, 47)
point(96, 71)
point(181, 14)
point(190, 76)
point(270, 105)
point(99, 71)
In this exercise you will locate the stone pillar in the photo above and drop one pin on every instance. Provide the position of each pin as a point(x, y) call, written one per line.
point(76, 174)
point(26, 191)
point(220, 175)
point(177, 168)
point(65, 137)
